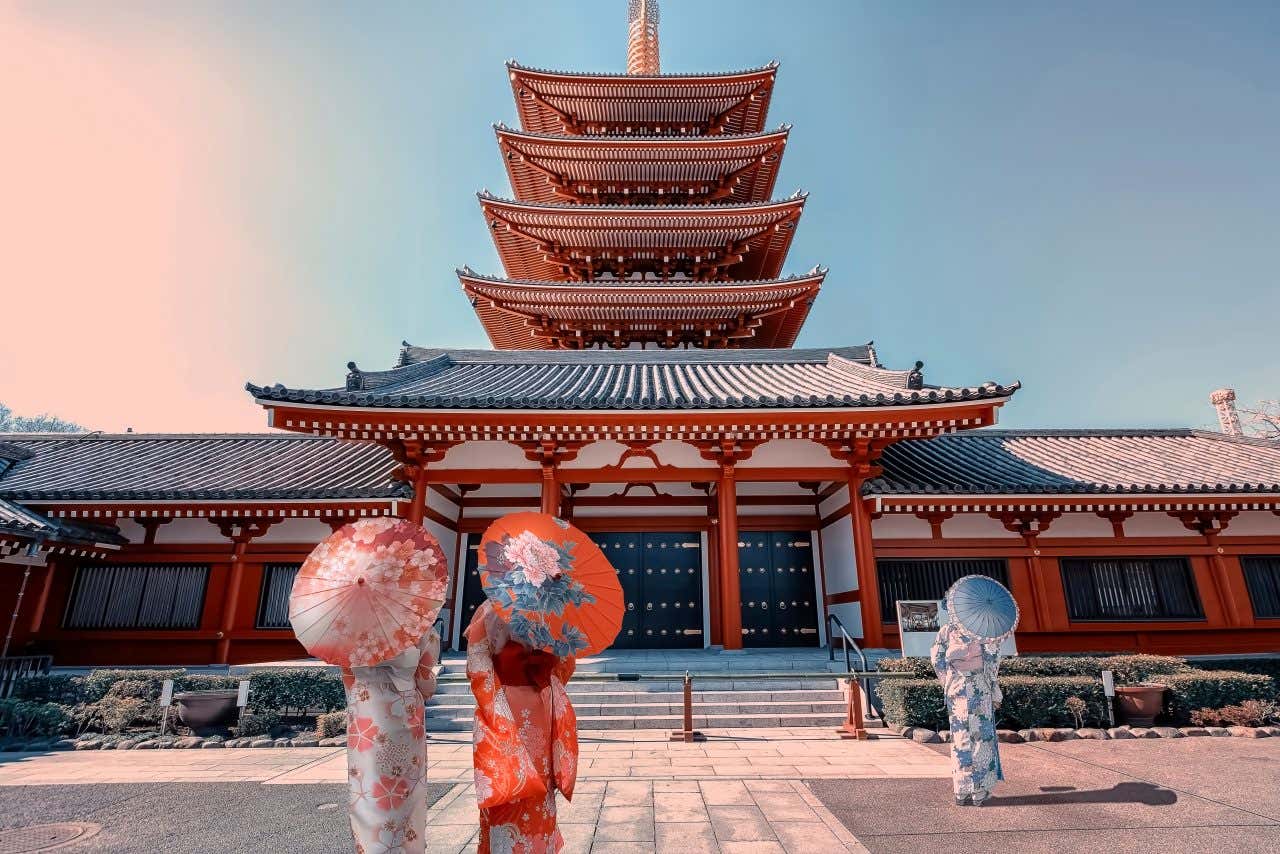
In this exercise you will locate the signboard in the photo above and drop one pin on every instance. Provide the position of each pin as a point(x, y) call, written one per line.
point(166, 693)
point(918, 624)
point(242, 699)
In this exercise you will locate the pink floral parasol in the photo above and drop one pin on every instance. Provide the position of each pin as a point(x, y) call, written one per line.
point(368, 592)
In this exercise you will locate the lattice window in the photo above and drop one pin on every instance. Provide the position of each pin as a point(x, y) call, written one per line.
point(1262, 577)
point(929, 579)
point(1130, 589)
point(137, 596)
point(273, 601)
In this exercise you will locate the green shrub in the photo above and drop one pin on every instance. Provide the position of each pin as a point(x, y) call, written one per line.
point(1262, 666)
point(296, 691)
point(913, 702)
point(143, 684)
point(1128, 669)
point(206, 682)
point(25, 719)
point(1029, 701)
point(331, 725)
point(118, 714)
point(1214, 689)
point(58, 688)
point(256, 723)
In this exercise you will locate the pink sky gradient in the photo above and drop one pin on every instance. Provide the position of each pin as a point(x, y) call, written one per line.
point(121, 268)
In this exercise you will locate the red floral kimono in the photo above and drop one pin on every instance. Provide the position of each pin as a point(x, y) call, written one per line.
point(525, 742)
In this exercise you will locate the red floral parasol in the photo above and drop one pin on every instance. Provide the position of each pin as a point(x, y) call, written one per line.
point(368, 592)
point(553, 586)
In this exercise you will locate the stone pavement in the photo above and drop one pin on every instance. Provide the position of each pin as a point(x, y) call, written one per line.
point(753, 816)
point(790, 754)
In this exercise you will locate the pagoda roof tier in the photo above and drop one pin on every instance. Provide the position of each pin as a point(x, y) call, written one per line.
point(523, 315)
point(623, 380)
point(632, 105)
point(582, 242)
point(552, 168)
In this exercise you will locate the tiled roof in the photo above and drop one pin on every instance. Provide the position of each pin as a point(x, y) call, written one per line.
point(154, 467)
point(561, 380)
point(1079, 461)
point(26, 523)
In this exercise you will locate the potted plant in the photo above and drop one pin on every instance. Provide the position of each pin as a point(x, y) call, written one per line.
point(204, 710)
point(1139, 704)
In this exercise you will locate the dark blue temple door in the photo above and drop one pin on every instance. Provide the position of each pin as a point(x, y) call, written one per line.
point(672, 590)
point(472, 592)
point(776, 581)
point(626, 553)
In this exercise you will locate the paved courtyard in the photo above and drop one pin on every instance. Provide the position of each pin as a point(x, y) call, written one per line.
point(766, 791)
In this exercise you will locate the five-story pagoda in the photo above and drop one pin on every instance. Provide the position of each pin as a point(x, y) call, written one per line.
point(644, 381)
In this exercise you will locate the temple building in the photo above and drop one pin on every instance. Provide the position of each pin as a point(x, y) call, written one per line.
point(644, 384)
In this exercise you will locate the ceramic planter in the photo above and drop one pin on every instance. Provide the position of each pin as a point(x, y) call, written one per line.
point(203, 710)
point(1139, 704)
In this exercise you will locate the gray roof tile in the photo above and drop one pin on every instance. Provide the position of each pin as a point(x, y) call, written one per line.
point(1012, 462)
point(157, 467)
point(651, 380)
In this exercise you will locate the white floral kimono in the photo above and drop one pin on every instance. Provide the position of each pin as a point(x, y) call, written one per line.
point(387, 750)
point(967, 669)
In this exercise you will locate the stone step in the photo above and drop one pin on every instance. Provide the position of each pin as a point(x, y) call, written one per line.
point(576, 688)
point(651, 709)
point(463, 723)
point(629, 698)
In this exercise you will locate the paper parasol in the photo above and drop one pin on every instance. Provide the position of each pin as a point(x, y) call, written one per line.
point(982, 607)
point(368, 592)
point(551, 584)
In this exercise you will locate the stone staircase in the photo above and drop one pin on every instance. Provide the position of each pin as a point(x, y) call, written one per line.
point(736, 701)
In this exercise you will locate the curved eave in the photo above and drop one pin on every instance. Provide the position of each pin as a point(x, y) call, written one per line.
point(723, 169)
point(337, 398)
point(775, 310)
point(694, 236)
point(579, 103)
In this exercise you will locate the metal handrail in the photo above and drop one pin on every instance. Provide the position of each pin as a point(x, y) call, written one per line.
point(848, 665)
point(848, 642)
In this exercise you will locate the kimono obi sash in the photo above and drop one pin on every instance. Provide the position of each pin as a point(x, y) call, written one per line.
point(516, 666)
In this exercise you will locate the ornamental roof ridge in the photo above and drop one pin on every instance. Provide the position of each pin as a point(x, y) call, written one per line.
point(817, 272)
point(797, 196)
point(774, 356)
point(1116, 433)
point(772, 65)
point(603, 139)
point(98, 436)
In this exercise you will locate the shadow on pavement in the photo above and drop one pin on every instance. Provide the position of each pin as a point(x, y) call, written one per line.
point(1120, 793)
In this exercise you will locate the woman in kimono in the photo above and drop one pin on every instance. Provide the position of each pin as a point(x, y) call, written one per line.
point(387, 749)
point(967, 668)
point(525, 738)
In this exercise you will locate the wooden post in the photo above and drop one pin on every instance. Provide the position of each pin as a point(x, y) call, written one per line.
point(550, 489)
point(688, 734)
point(42, 601)
point(730, 588)
point(240, 533)
point(418, 507)
point(865, 555)
point(853, 726)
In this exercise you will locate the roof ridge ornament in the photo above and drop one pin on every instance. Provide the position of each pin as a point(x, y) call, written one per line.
point(642, 37)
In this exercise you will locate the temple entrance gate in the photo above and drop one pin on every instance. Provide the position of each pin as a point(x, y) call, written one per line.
point(776, 577)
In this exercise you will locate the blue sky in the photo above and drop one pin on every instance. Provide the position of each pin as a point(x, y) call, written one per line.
point(1081, 196)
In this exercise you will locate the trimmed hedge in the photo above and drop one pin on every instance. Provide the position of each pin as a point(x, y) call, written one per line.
point(1268, 666)
point(1029, 701)
point(1211, 689)
point(1035, 701)
point(1127, 668)
point(51, 688)
point(331, 725)
point(296, 691)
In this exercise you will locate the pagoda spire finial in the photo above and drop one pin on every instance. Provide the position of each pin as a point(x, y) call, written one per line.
point(642, 41)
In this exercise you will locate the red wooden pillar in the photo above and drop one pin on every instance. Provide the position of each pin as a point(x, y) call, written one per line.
point(418, 507)
point(550, 489)
point(730, 589)
point(42, 601)
point(865, 555)
point(240, 533)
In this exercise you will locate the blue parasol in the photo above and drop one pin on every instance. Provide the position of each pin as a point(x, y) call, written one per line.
point(982, 607)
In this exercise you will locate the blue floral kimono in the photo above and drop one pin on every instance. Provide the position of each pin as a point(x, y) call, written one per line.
point(967, 669)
